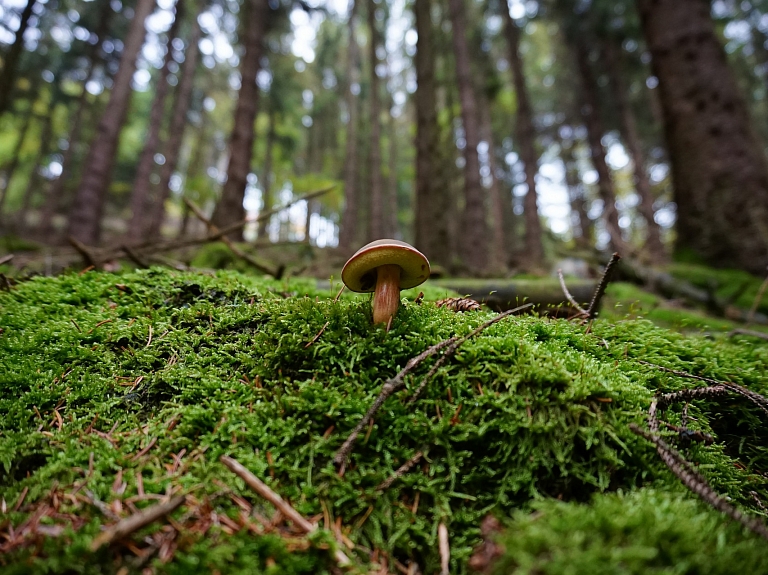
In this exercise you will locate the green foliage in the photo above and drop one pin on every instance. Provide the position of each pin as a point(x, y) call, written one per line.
point(645, 532)
point(220, 364)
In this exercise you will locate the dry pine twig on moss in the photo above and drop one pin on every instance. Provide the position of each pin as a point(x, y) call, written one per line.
point(398, 382)
point(131, 524)
point(459, 304)
point(597, 297)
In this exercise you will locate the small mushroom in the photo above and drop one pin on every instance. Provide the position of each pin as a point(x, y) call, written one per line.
point(385, 267)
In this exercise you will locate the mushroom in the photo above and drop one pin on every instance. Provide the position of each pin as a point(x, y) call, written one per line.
point(385, 267)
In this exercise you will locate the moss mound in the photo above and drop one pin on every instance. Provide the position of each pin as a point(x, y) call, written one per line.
point(120, 389)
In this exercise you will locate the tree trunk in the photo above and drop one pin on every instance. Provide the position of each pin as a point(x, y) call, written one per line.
point(393, 228)
point(35, 180)
point(348, 228)
point(376, 225)
point(86, 211)
point(498, 247)
point(719, 170)
point(475, 235)
point(230, 207)
point(172, 145)
point(534, 251)
point(266, 178)
point(16, 157)
point(430, 221)
point(11, 59)
point(55, 192)
point(583, 225)
point(141, 183)
point(628, 130)
point(595, 131)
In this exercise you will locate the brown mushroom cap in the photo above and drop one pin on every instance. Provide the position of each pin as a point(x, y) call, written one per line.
point(359, 273)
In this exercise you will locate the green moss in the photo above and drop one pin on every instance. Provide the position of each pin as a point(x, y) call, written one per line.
point(212, 365)
point(735, 286)
point(643, 533)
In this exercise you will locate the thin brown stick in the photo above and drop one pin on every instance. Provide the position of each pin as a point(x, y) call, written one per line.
point(131, 524)
point(569, 297)
point(84, 251)
point(317, 336)
point(338, 295)
point(445, 549)
point(402, 470)
point(280, 504)
point(391, 386)
point(6, 258)
point(456, 344)
point(758, 299)
point(229, 243)
point(749, 332)
point(605, 279)
point(697, 484)
point(754, 397)
point(398, 382)
point(134, 257)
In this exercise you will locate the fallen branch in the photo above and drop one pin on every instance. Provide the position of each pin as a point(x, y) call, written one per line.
point(134, 257)
point(693, 480)
point(6, 258)
point(398, 382)
point(754, 397)
point(402, 470)
point(280, 504)
point(568, 295)
point(749, 332)
point(230, 244)
point(456, 344)
point(131, 524)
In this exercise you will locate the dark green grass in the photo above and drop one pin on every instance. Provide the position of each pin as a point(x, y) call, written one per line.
point(219, 365)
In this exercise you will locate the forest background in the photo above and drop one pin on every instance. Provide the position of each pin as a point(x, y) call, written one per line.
point(492, 135)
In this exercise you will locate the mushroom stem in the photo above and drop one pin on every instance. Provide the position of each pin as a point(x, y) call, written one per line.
point(386, 298)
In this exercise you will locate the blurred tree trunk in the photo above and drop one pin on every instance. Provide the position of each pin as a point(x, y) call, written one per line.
point(230, 208)
point(628, 130)
point(393, 228)
point(348, 228)
point(526, 134)
point(430, 218)
point(172, 145)
point(594, 124)
point(35, 181)
point(195, 168)
point(266, 176)
point(86, 211)
point(583, 225)
point(55, 193)
point(719, 169)
point(475, 235)
point(11, 59)
point(141, 183)
point(376, 226)
point(498, 244)
point(16, 155)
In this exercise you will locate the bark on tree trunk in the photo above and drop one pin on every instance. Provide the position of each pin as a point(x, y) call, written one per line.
point(348, 229)
point(628, 130)
point(719, 170)
point(172, 145)
point(11, 60)
point(376, 226)
point(266, 178)
point(16, 157)
point(583, 225)
point(526, 134)
point(475, 237)
point(393, 230)
point(230, 207)
point(141, 184)
point(431, 221)
point(595, 131)
point(86, 211)
point(35, 180)
point(55, 193)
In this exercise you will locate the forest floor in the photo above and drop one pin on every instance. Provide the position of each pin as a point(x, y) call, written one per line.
point(125, 393)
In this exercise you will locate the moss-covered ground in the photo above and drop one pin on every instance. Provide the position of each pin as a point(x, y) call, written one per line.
point(117, 390)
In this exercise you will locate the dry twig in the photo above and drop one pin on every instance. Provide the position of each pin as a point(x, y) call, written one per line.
point(402, 470)
point(749, 332)
point(594, 305)
point(131, 524)
point(280, 504)
point(569, 297)
point(317, 336)
point(445, 549)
